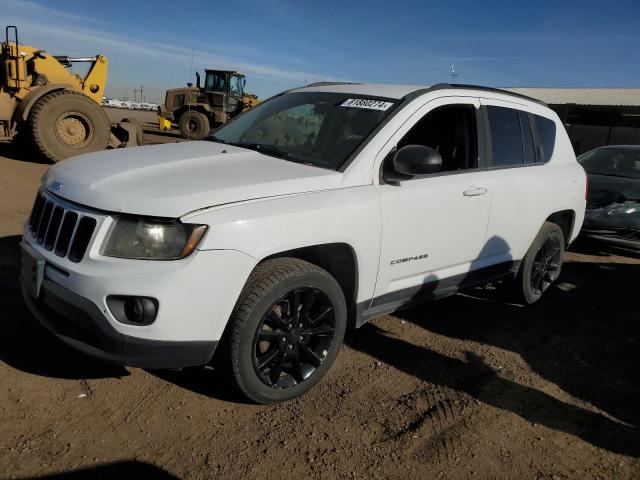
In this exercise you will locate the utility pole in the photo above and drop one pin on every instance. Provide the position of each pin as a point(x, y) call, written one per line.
point(141, 97)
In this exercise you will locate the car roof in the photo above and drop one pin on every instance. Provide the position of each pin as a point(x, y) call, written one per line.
point(400, 91)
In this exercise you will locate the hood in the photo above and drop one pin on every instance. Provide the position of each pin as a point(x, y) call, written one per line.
point(605, 190)
point(173, 179)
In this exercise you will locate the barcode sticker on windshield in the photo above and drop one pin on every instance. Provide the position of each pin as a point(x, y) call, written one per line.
point(364, 103)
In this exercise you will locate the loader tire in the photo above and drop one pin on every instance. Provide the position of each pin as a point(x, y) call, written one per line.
point(65, 123)
point(139, 130)
point(194, 125)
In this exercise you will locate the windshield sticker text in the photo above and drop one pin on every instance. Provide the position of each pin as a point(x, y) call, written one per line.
point(368, 104)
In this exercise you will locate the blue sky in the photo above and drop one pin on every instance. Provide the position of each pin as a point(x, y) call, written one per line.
point(280, 44)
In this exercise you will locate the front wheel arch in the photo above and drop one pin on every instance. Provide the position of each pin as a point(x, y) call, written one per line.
point(268, 282)
point(340, 260)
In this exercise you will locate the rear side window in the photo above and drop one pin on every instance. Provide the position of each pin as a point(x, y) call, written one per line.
point(547, 136)
point(506, 136)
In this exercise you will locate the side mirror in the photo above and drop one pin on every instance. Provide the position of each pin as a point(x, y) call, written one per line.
point(412, 160)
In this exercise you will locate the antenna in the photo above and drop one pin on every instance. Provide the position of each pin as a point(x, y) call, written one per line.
point(454, 75)
point(191, 75)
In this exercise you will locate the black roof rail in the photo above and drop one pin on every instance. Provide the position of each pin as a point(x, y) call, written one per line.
point(325, 84)
point(442, 86)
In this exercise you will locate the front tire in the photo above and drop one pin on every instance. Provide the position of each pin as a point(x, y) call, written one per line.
point(285, 331)
point(194, 125)
point(541, 265)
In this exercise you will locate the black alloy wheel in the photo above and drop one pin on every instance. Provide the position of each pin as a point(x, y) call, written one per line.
point(285, 331)
point(294, 337)
point(546, 265)
point(541, 265)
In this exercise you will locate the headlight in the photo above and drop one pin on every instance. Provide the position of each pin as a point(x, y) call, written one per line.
point(138, 238)
point(625, 208)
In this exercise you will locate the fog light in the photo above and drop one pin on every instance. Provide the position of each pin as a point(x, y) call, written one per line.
point(133, 310)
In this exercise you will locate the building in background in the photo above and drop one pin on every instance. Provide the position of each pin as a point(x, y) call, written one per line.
point(594, 116)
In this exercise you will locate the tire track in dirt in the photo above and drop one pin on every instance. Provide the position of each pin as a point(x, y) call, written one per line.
point(432, 421)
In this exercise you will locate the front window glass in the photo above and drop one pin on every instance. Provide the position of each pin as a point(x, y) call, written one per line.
point(452, 132)
point(316, 128)
point(215, 82)
point(615, 162)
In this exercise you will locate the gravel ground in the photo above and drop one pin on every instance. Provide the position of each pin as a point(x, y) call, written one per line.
point(468, 387)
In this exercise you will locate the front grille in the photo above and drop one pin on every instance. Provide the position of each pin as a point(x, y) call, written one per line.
point(58, 228)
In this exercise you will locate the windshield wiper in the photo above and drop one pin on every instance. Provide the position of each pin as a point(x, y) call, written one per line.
point(269, 150)
point(213, 138)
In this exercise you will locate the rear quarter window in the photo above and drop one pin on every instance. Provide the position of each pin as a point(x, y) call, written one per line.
point(546, 137)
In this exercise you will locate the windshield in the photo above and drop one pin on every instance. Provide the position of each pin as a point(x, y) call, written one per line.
point(319, 129)
point(616, 162)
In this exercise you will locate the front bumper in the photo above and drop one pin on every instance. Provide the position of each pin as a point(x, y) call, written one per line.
point(620, 238)
point(81, 324)
point(196, 296)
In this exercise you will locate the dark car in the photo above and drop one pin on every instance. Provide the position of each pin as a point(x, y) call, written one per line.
point(613, 201)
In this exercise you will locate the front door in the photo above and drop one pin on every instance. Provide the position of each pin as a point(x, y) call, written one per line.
point(434, 227)
point(235, 93)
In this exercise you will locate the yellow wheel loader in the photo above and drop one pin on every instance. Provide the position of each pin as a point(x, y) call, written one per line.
point(197, 109)
point(51, 108)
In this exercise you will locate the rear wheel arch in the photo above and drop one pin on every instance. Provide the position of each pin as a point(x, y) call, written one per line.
point(565, 219)
point(541, 265)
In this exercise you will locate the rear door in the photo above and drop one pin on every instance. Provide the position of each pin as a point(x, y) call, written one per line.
point(522, 192)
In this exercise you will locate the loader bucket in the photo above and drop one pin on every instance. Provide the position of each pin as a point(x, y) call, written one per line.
point(126, 133)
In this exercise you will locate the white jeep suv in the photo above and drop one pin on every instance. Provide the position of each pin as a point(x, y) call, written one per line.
point(319, 209)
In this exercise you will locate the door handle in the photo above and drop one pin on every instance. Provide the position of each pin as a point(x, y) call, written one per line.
point(475, 191)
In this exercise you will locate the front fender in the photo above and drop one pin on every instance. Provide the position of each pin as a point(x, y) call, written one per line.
point(263, 228)
point(24, 107)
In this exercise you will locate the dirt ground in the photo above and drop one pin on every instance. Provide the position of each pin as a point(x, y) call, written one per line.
point(468, 387)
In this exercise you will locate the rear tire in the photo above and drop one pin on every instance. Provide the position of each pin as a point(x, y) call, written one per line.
point(285, 331)
point(541, 265)
point(194, 125)
point(65, 123)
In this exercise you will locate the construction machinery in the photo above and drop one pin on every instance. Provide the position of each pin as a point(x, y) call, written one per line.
point(52, 108)
point(197, 109)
